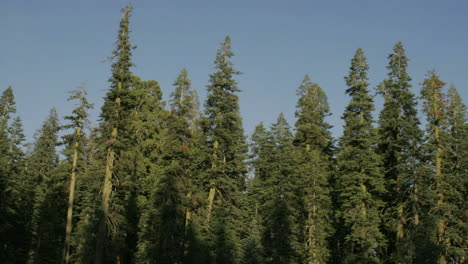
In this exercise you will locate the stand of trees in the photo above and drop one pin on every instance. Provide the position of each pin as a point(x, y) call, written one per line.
point(164, 182)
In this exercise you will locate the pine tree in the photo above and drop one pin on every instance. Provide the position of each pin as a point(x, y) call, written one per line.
point(274, 190)
point(456, 169)
point(7, 107)
point(184, 99)
point(226, 153)
point(314, 149)
point(159, 158)
point(445, 122)
point(49, 205)
point(74, 152)
point(112, 243)
point(14, 196)
point(87, 204)
point(20, 195)
point(184, 108)
point(360, 182)
point(282, 234)
point(399, 144)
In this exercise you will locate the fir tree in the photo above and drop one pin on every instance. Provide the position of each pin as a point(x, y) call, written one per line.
point(222, 127)
point(282, 234)
point(399, 144)
point(360, 182)
point(184, 99)
point(20, 195)
point(275, 190)
point(314, 143)
point(445, 122)
point(160, 154)
point(15, 192)
point(49, 205)
point(74, 152)
point(7, 107)
point(86, 203)
point(456, 168)
point(116, 135)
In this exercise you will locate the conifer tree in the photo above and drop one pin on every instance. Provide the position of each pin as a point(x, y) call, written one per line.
point(87, 204)
point(184, 99)
point(20, 194)
point(445, 126)
point(282, 234)
point(399, 144)
point(116, 137)
point(49, 204)
point(226, 153)
point(360, 182)
point(159, 157)
point(74, 152)
point(14, 196)
point(314, 143)
point(184, 108)
point(456, 168)
point(7, 107)
point(275, 191)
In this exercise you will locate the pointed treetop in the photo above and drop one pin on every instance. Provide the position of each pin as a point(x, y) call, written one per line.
point(398, 64)
point(456, 107)
point(281, 129)
point(432, 93)
point(306, 83)
point(357, 78)
point(312, 97)
point(222, 61)
point(7, 103)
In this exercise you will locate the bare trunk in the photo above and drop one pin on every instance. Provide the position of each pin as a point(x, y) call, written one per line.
point(71, 195)
point(211, 197)
point(107, 188)
point(211, 194)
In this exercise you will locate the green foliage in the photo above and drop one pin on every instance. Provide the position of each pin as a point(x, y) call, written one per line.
point(400, 146)
point(49, 205)
point(118, 225)
point(314, 156)
point(275, 189)
point(446, 128)
point(14, 196)
point(360, 180)
point(184, 99)
point(157, 185)
point(225, 153)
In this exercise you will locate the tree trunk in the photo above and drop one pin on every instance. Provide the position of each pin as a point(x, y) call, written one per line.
point(68, 228)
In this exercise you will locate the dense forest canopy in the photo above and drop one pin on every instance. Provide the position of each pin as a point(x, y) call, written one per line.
point(179, 181)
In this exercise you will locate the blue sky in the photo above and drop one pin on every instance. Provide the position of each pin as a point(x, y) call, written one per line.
point(50, 47)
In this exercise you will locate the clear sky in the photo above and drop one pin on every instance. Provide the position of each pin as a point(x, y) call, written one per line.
point(49, 47)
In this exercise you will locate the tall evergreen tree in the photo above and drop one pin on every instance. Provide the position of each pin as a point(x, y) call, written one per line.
point(7, 107)
point(314, 154)
point(19, 195)
point(116, 137)
point(159, 157)
point(185, 110)
point(49, 205)
point(184, 99)
point(226, 153)
point(456, 168)
point(282, 234)
point(446, 126)
point(399, 144)
point(360, 182)
point(74, 152)
point(87, 204)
